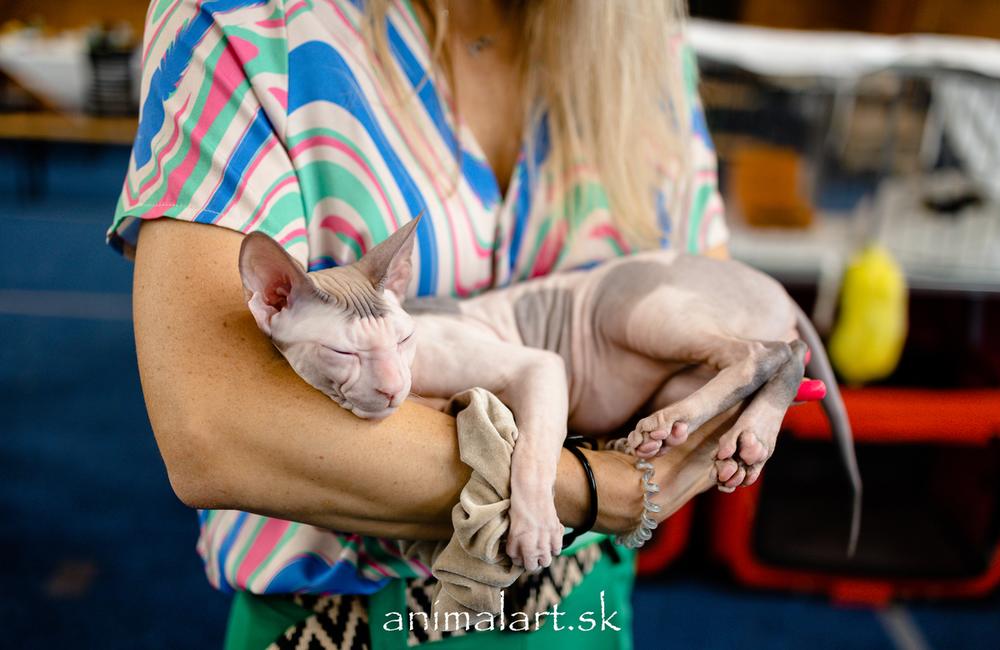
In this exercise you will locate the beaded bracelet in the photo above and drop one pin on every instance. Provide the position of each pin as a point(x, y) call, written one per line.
point(644, 531)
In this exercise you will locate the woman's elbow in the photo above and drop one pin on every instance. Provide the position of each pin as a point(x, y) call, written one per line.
point(194, 458)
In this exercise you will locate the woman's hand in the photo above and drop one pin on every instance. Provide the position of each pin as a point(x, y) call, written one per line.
point(681, 473)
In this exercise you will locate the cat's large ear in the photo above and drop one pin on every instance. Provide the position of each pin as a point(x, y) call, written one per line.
point(272, 279)
point(389, 265)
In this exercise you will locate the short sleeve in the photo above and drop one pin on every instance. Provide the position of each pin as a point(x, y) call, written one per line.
point(210, 146)
point(700, 225)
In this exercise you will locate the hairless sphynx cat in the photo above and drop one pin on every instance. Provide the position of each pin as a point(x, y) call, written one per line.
point(583, 349)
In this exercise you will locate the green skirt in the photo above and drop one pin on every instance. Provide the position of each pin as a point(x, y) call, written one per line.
point(596, 615)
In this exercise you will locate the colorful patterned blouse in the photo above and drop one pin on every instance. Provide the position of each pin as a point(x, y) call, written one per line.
point(266, 115)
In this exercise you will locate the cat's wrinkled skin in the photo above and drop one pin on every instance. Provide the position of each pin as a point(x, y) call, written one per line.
point(343, 329)
point(586, 349)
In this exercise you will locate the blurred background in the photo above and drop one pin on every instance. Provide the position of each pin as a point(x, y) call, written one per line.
point(859, 148)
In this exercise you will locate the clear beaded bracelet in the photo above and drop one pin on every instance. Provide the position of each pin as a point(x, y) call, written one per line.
point(644, 531)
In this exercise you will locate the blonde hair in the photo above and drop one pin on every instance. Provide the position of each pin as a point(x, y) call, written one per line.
point(606, 76)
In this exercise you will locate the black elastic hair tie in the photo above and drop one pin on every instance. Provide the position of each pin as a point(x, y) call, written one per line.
point(573, 444)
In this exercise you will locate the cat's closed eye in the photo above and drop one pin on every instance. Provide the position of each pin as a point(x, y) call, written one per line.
point(340, 352)
point(407, 338)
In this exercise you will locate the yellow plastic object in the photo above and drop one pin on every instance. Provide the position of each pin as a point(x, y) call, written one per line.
point(871, 328)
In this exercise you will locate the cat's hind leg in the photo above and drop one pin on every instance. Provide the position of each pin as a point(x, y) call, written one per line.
point(675, 325)
point(744, 366)
point(745, 448)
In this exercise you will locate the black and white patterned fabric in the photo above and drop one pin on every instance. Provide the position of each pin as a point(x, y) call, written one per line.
point(340, 622)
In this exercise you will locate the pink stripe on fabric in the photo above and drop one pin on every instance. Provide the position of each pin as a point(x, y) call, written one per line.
point(460, 288)
point(333, 5)
point(281, 95)
point(271, 23)
point(267, 200)
point(316, 140)
point(464, 290)
point(291, 10)
point(417, 34)
point(221, 176)
point(153, 213)
point(291, 560)
point(548, 253)
point(297, 232)
point(162, 154)
point(713, 210)
point(365, 558)
point(342, 226)
point(247, 175)
point(607, 230)
point(165, 18)
point(260, 547)
point(393, 548)
point(227, 69)
point(420, 565)
point(245, 50)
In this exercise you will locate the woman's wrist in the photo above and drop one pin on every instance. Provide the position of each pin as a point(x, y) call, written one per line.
point(618, 490)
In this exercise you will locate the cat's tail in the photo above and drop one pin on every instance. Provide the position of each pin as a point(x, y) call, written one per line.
point(833, 405)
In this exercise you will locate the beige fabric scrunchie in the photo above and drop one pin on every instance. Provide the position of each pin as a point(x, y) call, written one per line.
point(473, 567)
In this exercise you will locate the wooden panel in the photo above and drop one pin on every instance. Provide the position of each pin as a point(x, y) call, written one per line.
point(69, 14)
point(969, 17)
point(67, 128)
point(845, 14)
point(961, 17)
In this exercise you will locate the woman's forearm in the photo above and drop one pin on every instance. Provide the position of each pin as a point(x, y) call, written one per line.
point(239, 430)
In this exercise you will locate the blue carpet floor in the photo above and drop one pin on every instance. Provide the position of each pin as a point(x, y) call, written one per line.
point(98, 552)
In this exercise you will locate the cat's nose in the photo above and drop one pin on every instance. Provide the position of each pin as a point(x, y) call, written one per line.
point(392, 399)
point(390, 383)
point(390, 393)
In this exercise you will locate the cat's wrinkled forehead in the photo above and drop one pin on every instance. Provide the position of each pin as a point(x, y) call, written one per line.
point(352, 290)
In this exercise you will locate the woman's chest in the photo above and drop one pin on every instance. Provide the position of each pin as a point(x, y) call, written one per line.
point(369, 156)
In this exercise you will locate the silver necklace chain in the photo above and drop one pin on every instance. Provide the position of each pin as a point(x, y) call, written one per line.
point(478, 44)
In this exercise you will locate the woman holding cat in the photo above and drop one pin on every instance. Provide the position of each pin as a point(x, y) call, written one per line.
point(534, 136)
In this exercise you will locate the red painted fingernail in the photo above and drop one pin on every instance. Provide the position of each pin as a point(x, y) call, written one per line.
point(811, 390)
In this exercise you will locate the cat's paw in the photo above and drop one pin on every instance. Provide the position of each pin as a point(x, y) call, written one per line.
point(534, 537)
point(656, 433)
point(745, 448)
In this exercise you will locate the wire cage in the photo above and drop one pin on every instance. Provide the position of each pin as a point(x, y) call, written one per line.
point(902, 157)
point(828, 143)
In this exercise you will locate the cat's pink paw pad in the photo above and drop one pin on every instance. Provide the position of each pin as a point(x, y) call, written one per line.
point(730, 474)
point(678, 434)
point(726, 469)
point(535, 535)
point(727, 445)
point(533, 549)
point(752, 450)
point(649, 448)
point(654, 432)
point(736, 480)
